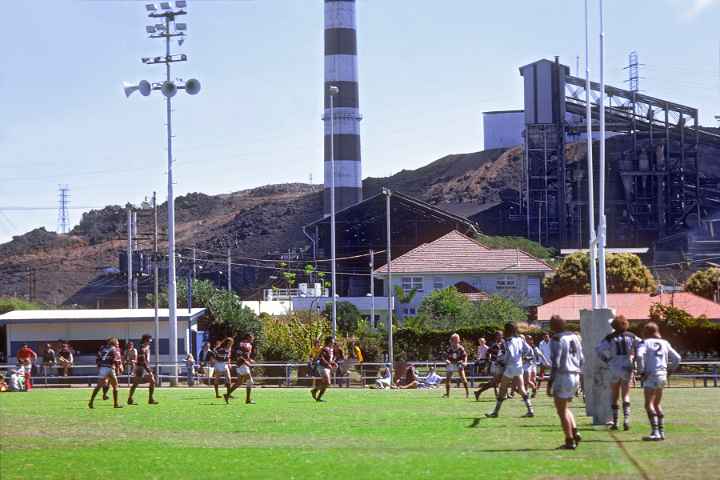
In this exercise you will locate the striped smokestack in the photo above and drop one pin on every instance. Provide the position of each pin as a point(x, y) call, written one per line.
point(341, 71)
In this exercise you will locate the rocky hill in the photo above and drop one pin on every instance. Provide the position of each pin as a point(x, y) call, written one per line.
point(257, 222)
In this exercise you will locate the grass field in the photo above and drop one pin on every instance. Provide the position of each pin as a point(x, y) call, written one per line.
point(356, 434)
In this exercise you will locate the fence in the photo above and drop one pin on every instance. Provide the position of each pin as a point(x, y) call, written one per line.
point(692, 373)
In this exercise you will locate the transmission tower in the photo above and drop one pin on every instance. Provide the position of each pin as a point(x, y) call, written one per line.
point(63, 208)
point(633, 69)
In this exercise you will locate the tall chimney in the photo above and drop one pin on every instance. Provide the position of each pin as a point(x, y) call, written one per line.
point(341, 71)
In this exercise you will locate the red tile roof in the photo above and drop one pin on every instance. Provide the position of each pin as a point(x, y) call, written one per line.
point(458, 253)
point(634, 306)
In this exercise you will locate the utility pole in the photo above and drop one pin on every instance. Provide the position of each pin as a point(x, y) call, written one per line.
point(372, 288)
point(194, 270)
point(156, 281)
point(129, 258)
point(591, 181)
point(136, 302)
point(388, 230)
point(229, 269)
point(602, 230)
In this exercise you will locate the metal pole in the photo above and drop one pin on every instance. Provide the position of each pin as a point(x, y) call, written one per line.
point(372, 288)
point(194, 270)
point(591, 187)
point(229, 269)
point(332, 212)
point(388, 230)
point(172, 292)
point(129, 259)
point(136, 248)
point(156, 287)
point(601, 184)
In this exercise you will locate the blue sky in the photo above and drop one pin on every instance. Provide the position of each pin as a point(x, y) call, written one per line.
point(428, 69)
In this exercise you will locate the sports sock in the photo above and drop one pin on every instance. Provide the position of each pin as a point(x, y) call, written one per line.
point(615, 407)
point(105, 389)
point(661, 423)
point(151, 391)
point(527, 402)
point(653, 422)
point(132, 392)
point(248, 391)
point(498, 404)
point(626, 411)
point(115, 397)
point(94, 394)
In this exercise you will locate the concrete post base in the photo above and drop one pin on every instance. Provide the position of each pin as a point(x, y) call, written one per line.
point(594, 326)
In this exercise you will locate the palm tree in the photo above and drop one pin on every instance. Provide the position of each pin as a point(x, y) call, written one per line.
point(404, 298)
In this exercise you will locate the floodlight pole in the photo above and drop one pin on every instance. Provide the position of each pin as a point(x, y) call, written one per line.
point(332, 91)
point(591, 186)
point(602, 229)
point(391, 355)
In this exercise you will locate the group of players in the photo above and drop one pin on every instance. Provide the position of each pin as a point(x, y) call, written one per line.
point(513, 363)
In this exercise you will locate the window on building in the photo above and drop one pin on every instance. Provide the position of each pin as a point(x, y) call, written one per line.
point(533, 290)
point(408, 283)
point(506, 283)
point(438, 283)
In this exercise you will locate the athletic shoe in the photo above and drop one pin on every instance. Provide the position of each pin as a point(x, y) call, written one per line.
point(626, 426)
point(662, 435)
point(528, 415)
point(445, 395)
point(90, 405)
point(227, 399)
point(131, 402)
point(491, 415)
point(613, 427)
point(568, 445)
point(153, 402)
point(105, 397)
point(320, 400)
point(577, 438)
point(653, 437)
point(117, 406)
point(250, 402)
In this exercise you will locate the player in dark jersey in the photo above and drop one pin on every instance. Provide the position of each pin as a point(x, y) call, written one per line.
point(456, 359)
point(108, 358)
point(495, 355)
point(618, 350)
point(142, 372)
point(243, 359)
point(221, 357)
point(323, 368)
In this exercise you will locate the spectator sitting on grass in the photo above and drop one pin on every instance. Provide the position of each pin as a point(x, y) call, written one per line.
point(432, 379)
point(17, 380)
point(410, 380)
point(384, 378)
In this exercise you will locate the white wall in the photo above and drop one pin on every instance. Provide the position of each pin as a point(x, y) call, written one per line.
point(484, 282)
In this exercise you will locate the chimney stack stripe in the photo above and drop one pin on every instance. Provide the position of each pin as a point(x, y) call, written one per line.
point(347, 173)
point(341, 68)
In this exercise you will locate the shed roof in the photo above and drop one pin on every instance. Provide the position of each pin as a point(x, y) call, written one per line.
point(98, 315)
point(458, 253)
point(634, 306)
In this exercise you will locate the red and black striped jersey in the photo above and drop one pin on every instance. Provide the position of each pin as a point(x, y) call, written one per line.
point(243, 353)
point(456, 354)
point(327, 356)
point(143, 358)
point(221, 354)
point(108, 356)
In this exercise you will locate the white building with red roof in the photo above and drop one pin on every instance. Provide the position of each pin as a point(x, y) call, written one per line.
point(476, 270)
point(633, 306)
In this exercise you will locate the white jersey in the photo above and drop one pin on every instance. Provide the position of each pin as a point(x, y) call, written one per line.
point(566, 354)
point(545, 349)
point(618, 350)
point(654, 355)
point(516, 349)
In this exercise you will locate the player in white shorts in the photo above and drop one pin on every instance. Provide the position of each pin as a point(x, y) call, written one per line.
point(243, 357)
point(496, 357)
point(654, 354)
point(566, 361)
point(515, 350)
point(456, 359)
point(221, 356)
point(530, 365)
point(618, 351)
point(108, 358)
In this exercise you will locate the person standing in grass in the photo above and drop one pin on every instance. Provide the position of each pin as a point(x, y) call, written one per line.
point(325, 365)
point(221, 357)
point(566, 361)
point(618, 351)
point(108, 359)
point(456, 359)
point(143, 373)
point(244, 360)
point(515, 350)
point(496, 359)
point(654, 355)
point(66, 359)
